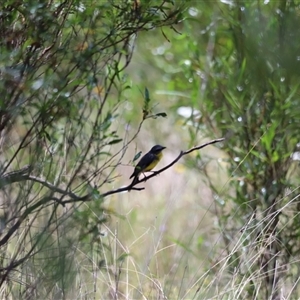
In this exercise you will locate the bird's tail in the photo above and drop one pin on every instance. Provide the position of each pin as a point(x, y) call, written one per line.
point(134, 181)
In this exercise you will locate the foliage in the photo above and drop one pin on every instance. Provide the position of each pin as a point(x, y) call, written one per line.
point(229, 69)
point(62, 80)
point(235, 69)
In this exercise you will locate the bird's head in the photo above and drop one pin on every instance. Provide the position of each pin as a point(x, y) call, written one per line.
point(157, 149)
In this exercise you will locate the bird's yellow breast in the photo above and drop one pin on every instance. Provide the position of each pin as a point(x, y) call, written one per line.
point(156, 159)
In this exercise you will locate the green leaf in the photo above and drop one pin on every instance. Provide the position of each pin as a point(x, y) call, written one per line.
point(116, 141)
point(146, 104)
point(137, 156)
point(104, 153)
point(268, 137)
point(147, 95)
point(162, 114)
point(275, 156)
point(46, 134)
point(122, 257)
point(96, 194)
point(106, 123)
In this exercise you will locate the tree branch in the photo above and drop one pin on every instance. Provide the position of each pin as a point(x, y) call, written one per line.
point(15, 176)
point(22, 175)
point(133, 184)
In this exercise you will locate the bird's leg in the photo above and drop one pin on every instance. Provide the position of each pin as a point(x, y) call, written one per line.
point(148, 172)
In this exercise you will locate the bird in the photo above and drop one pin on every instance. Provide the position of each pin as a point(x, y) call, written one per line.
point(147, 162)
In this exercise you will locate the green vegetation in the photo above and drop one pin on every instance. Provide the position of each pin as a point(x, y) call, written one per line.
point(86, 85)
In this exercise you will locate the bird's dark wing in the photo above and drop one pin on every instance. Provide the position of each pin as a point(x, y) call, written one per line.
point(142, 164)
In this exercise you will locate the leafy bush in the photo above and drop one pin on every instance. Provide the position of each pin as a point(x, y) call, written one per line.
point(62, 80)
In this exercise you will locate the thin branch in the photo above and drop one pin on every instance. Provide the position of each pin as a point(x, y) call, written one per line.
point(52, 187)
point(22, 175)
point(15, 176)
point(182, 153)
point(133, 184)
point(25, 214)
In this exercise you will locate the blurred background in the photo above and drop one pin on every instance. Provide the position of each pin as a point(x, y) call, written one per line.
point(86, 86)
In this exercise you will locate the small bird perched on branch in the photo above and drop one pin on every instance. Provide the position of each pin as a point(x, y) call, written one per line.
point(147, 162)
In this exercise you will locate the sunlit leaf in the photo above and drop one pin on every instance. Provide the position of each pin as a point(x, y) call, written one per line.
point(98, 90)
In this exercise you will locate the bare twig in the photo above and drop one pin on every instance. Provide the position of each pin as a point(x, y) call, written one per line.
point(15, 176)
point(133, 184)
point(182, 153)
point(22, 175)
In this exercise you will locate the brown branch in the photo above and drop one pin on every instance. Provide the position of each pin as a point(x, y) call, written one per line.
point(15, 176)
point(182, 153)
point(134, 183)
point(23, 175)
point(24, 215)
